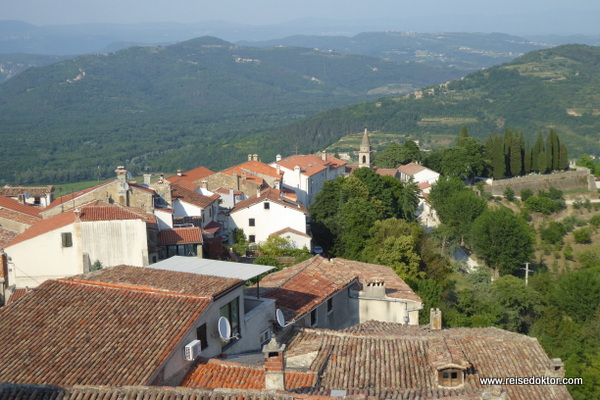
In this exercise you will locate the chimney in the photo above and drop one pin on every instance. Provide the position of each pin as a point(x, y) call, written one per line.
point(147, 179)
point(121, 174)
point(258, 191)
point(557, 368)
point(179, 172)
point(249, 157)
point(77, 213)
point(278, 169)
point(255, 157)
point(162, 178)
point(277, 184)
point(278, 157)
point(435, 319)
point(204, 184)
point(274, 365)
point(374, 289)
point(324, 155)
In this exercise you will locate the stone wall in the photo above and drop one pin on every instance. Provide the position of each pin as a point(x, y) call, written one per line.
point(565, 181)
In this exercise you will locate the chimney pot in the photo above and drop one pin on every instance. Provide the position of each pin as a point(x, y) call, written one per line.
point(179, 172)
point(278, 157)
point(249, 157)
point(274, 365)
point(435, 319)
point(324, 155)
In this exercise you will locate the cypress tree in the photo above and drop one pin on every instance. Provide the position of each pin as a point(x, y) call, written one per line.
point(464, 133)
point(563, 162)
point(527, 159)
point(498, 161)
point(489, 149)
point(508, 136)
point(516, 157)
point(542, 162)
point(555, 149)
point(538, 147)
point(549, 152)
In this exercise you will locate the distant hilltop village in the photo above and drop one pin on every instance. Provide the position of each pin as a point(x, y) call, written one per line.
point(121, 291)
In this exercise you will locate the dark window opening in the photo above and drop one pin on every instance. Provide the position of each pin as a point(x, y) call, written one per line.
point(251, 222)
point(252, 238)
point(232, 313)
point(67, 239)
point(450, 377)
point(330, 305)
point(267, 205)
point(313, 318)
point(202, 336)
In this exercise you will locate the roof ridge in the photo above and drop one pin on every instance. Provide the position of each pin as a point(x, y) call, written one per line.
point(145, 289)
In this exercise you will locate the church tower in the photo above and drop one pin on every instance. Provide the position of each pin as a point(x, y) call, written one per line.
point(365, 152)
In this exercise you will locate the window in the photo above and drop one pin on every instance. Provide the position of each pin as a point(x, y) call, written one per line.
point(450, 377)
point(67, 239)
point(37, 201)
point(314, 320)
point(202, 336)
point(252, 238)
point(330, 305)
point(267, 205)
point(251, 222)
point(232, 313)
point(265, 336)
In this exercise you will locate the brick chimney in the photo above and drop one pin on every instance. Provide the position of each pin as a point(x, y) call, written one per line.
point(278, 157)
point(249, 157)
point(204, 184)
point(121, 174)
point(179, 173)
point(274, 365)
point(147, 179)
point(324, 155)
point(435, 319)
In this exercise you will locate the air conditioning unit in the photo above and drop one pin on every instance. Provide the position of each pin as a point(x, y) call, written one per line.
point(192, 350)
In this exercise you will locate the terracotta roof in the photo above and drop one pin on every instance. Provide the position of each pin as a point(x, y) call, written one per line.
point(142, 188)
point(254, 168)
point(179, 236)
point(212, 227)
point(424, 185)
point(6, 235)
point(34, 191)
point(395, 287)
point(412, 168)
point(310, 164)
point(300, 288)
point(12, 204)
point(16, 216)
point(68, 197)
point(68, 332)
point(94, 211)
point(17, 294)
point(192, 175)
point(172, 281)
point(214, 374)
point(386, 171)
point(273, 195)
point(185, 184)
point(191, 197)
point(9, 391)
point(384, 357)
point(288, 230)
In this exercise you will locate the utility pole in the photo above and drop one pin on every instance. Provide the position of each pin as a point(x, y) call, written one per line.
point(526, 269)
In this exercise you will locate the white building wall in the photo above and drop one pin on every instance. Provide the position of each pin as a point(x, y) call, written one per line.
point(115, 242)
point(426, 175)
point(307, 187)
point(43, 257)
point(297, 241)
point(268, 221)
point(183, 209)
point(164, 219)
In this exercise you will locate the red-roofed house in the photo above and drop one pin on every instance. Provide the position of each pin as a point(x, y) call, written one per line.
point(16, 216)
point(194, 176)
point(267, 213)
point(37, 196)
point(305, 174)
point(189, 203)
point(418, 173)
point(69, 243)
point(180, 242)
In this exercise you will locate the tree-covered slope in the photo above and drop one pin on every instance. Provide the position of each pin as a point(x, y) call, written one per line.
point(553, 88)
point(178, 106)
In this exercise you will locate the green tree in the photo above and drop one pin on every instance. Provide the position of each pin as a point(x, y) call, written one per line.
point(499, 160)
point(502, 239)
point(516, 157)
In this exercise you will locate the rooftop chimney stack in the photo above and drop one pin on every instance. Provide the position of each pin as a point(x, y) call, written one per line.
point(121, 174)
point(278, 157)
point(147, 179)
point(435, 319)
point(249, 157)
point(204, 184)
point(255, 157)
point(179, 172)
point(258, 191)
point(324, 155)
point(558, 368)
point(374, 289)
point(274, 365)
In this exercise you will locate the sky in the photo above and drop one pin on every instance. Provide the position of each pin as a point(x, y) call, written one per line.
point(464, 15)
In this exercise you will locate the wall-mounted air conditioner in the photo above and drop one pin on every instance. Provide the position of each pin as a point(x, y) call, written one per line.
point(192, 350)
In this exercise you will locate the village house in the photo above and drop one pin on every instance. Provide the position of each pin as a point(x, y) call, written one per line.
point(40, 196)
point(15, 216)
point(418, 173)
point(126, 326)
point(270, 212)
point(305, 174)
point(191, 207)
point(338, 293)
point(70, 243)
point(194, 176)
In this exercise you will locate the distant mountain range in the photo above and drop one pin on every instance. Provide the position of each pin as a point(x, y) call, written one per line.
point(170, 107)
point(546, 89)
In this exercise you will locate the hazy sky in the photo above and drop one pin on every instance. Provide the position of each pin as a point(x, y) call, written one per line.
point(259, 12)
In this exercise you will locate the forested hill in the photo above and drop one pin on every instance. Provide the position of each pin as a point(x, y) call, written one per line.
point(553, 88)
point(177, 106)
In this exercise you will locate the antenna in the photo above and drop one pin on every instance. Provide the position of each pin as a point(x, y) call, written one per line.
point(281, 319)
point(224, 328)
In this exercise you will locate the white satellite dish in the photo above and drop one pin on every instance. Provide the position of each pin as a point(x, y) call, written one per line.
point(224, 328)
point(281, 319)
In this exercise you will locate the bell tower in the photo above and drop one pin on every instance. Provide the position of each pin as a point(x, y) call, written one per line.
point(365, 152)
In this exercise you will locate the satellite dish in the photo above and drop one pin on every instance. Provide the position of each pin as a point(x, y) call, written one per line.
point(281, 319)
point(125, 186)
point(224, 328)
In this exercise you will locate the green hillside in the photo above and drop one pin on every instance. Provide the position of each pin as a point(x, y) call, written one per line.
point(176, 106)
point(553, 88)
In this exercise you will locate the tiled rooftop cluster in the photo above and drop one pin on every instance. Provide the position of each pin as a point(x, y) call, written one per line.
point(404, 359)
point(273, 195)
point(111, 328)
point(37, 191)
point(311, 164)
point(191, 197)
point(180, 235)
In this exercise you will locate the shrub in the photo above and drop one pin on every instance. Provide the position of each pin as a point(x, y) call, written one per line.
point(571, 222)
point(568, 252)
point(553, 233)
point(525, 194)
point(583, 236)
point(543, 204)
point(509, 193)
point(590, 258)
point(595, 221)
